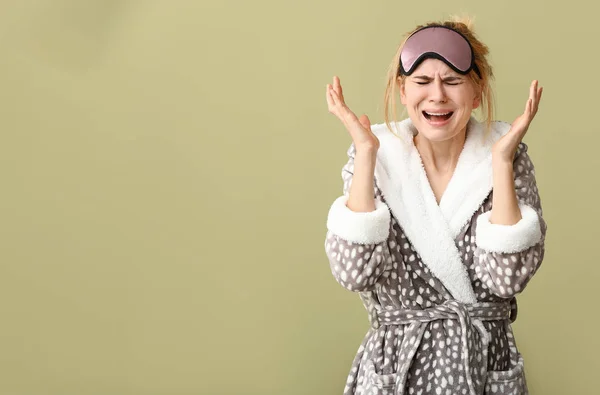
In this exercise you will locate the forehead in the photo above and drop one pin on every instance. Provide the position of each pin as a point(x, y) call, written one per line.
point(432, 67)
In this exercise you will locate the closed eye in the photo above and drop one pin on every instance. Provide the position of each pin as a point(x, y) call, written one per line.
point(446, 82)
point(453, 81)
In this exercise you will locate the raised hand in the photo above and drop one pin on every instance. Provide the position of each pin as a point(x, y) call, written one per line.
point(505, 148)
point(359, 128)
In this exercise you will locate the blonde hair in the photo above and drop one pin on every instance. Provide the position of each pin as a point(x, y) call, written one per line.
point(463, 25)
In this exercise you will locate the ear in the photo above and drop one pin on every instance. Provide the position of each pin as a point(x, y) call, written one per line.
point(402, 92)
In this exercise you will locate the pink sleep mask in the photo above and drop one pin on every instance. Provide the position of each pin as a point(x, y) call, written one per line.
point(438, 42)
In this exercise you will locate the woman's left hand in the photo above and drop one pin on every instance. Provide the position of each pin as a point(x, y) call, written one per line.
point(505, 148)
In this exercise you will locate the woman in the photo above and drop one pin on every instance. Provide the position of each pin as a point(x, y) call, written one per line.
point(439, 226)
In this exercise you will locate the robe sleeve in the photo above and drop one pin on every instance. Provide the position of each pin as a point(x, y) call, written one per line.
point(507, 256)
point(356, 243)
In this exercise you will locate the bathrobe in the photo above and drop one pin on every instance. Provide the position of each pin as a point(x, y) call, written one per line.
point(438, 281)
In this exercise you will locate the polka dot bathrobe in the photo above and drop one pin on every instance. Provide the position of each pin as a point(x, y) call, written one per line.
point(438, 281)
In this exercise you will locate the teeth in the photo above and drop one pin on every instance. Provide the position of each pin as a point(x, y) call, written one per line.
point(437, 114)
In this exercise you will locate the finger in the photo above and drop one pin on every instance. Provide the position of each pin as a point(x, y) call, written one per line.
point(538, 99)
point(533, 90)
point(334, 96)
point(528, 107)
point(365, 122)
point(533, 87)
point(339, 105)
point(338, 87)
point(330, 102)
point(336, 82)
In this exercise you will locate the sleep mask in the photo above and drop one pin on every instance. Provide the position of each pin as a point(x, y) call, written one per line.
point(438, 42)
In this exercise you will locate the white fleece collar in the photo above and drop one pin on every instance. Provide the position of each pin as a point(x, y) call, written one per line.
point(431, 228)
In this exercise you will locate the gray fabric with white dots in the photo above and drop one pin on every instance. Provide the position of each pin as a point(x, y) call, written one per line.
point(428, 340)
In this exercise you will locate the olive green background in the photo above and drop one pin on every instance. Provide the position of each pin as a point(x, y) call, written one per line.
point(167, 167)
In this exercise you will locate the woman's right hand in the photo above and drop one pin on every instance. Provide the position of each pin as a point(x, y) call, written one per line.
point(359, 128)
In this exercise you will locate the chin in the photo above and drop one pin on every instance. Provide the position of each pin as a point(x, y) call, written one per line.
point(437, 135)
point(433, 133)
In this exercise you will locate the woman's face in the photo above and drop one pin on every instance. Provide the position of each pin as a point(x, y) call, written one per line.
point(439, 100)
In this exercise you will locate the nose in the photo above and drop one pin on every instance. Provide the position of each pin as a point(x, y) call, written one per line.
point(438, 93)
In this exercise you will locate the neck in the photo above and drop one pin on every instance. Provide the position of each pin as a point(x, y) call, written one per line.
point(440, 156)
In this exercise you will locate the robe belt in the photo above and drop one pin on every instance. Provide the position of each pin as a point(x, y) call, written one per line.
point(469, 318)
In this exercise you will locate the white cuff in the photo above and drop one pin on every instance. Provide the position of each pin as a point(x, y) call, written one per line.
point(359, 227)
point(509, 238)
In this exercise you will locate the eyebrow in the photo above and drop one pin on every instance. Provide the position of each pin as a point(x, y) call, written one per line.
point(449, 78)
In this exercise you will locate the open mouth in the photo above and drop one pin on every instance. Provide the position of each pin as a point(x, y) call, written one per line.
point(437, 116)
